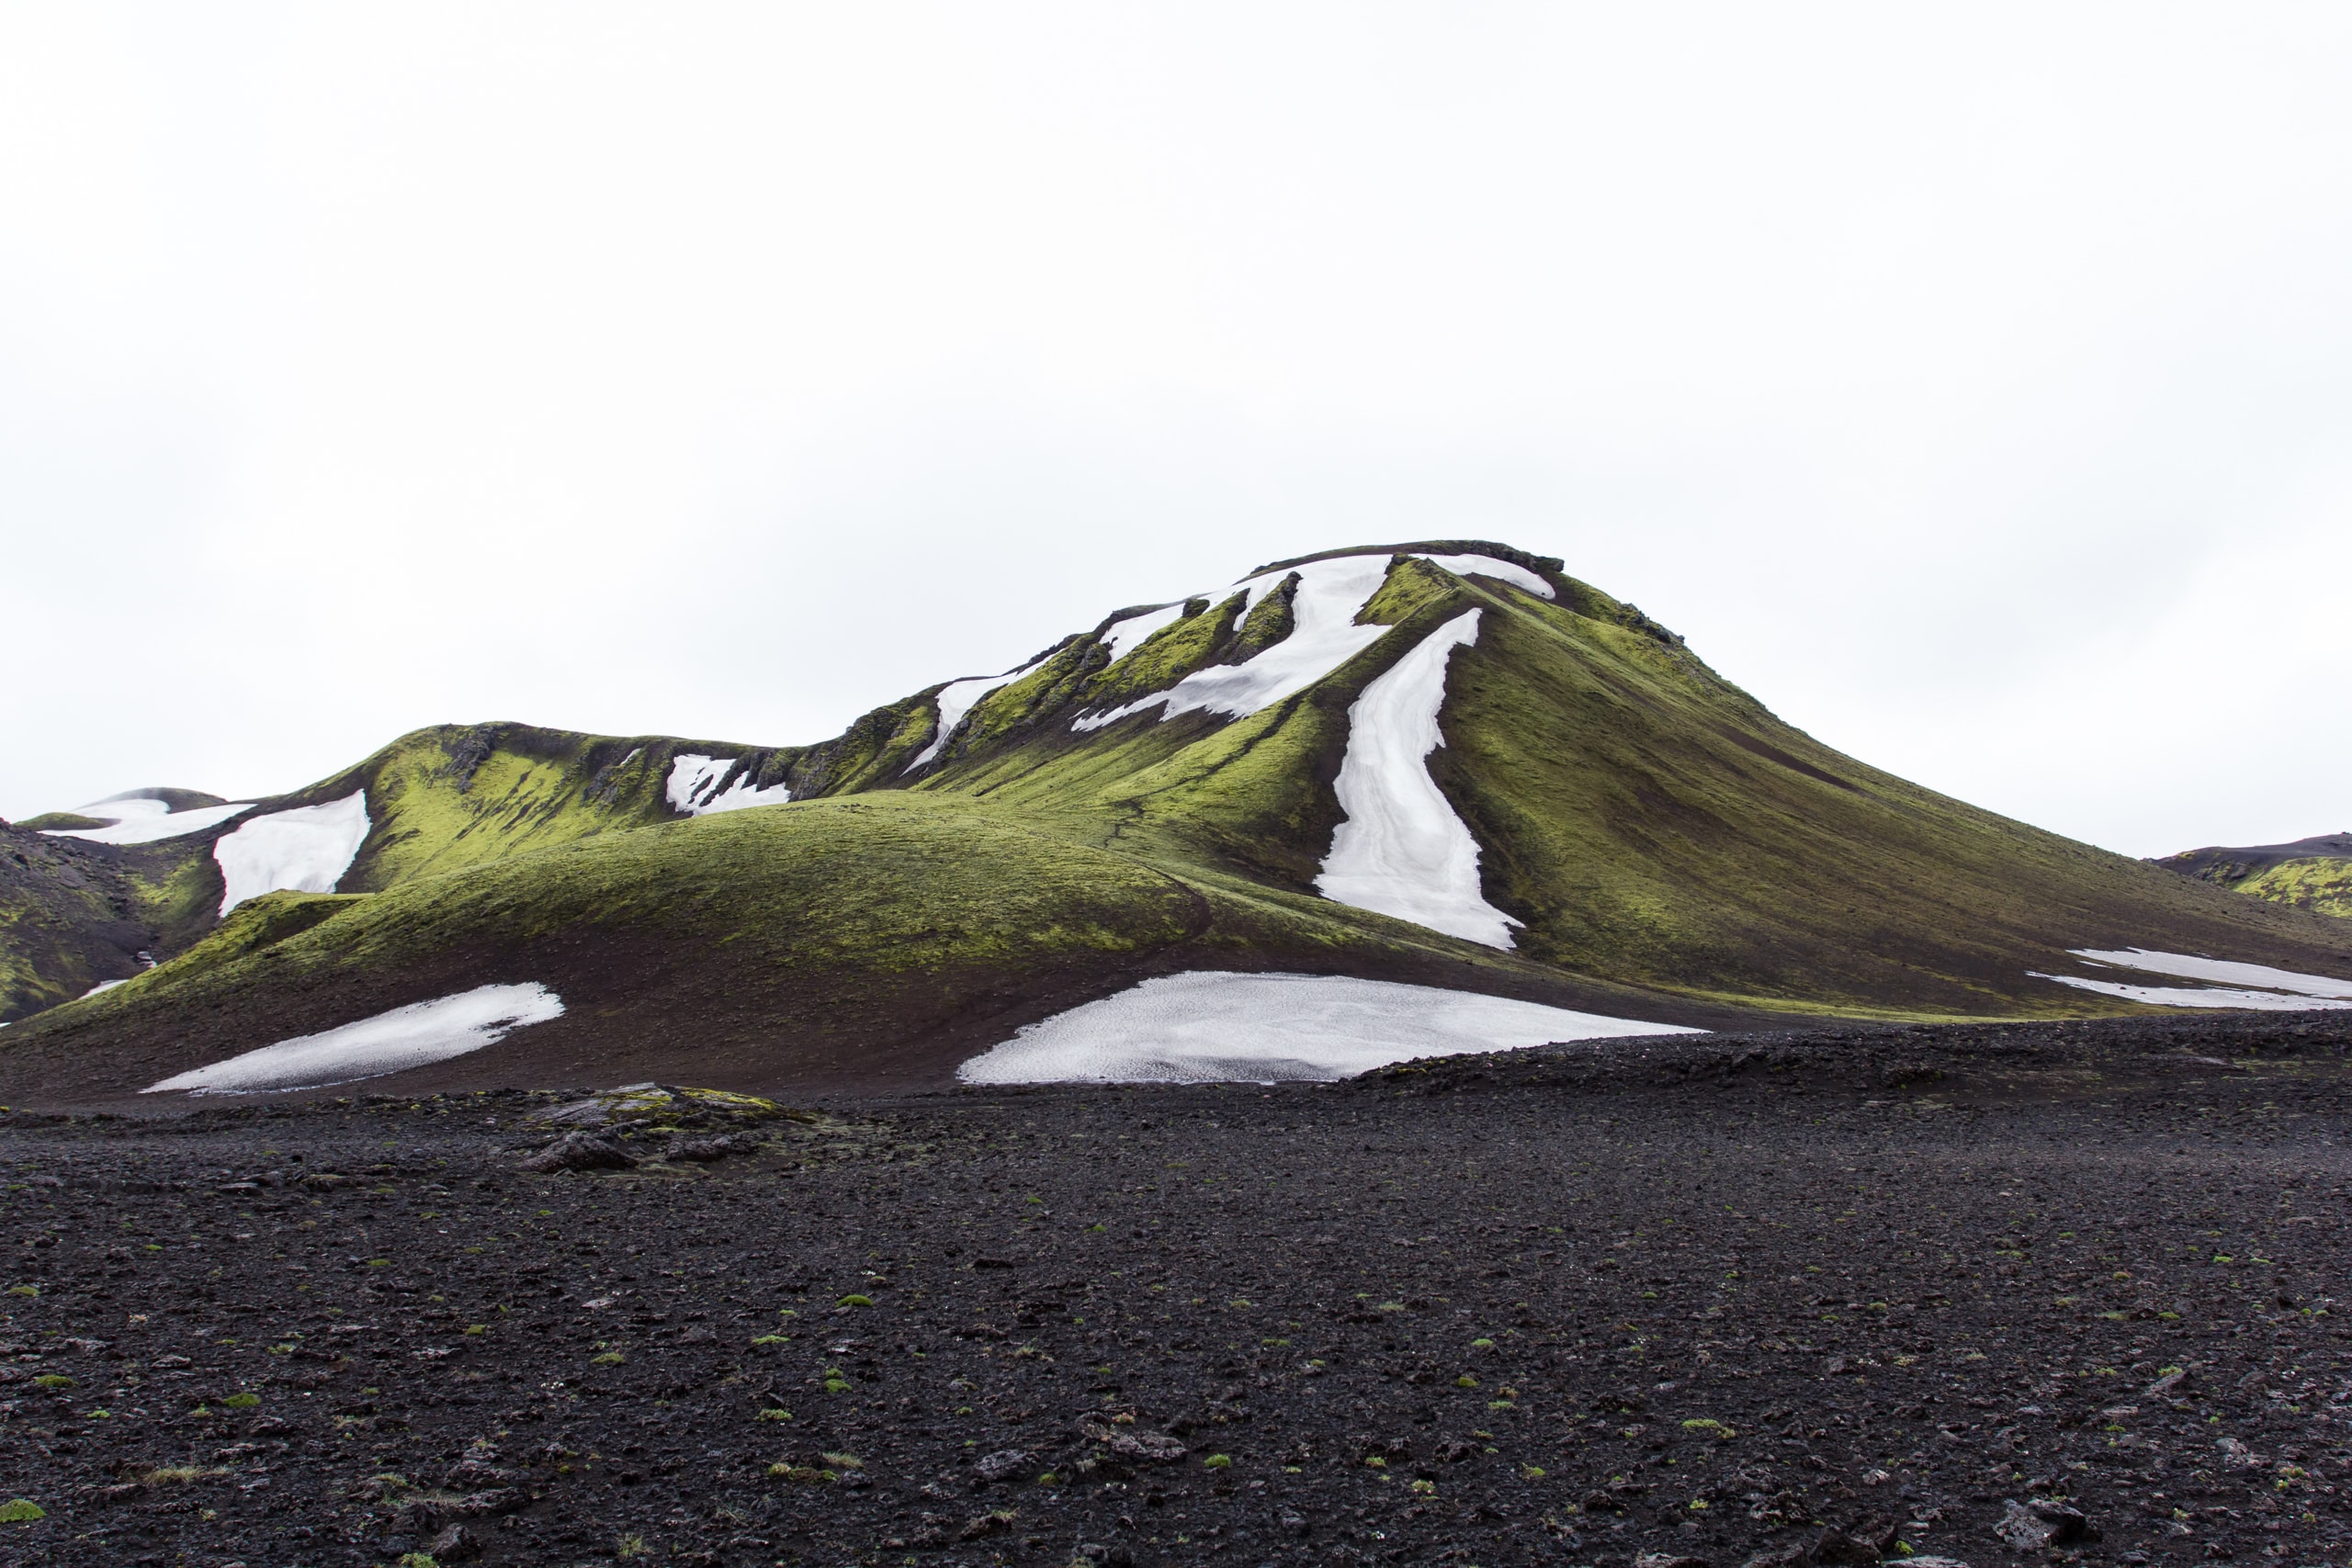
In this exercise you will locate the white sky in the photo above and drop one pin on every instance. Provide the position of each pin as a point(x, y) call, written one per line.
point(1973, 385)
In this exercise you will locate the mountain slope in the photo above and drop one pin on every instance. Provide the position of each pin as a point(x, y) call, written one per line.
point(875, 940)
point(1162, 792)
point(2311, 874)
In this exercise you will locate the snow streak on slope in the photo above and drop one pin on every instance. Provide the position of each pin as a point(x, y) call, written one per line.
point(1401, 850)
point(1324, 636)
point(2186, 997)
point(2288, 992)
point(413, 1036)
point(2183, 967)
point(1487, 565)
point(955, 699)
point(1205, 1027)
point(306, 849)
point(1122, 637)
point(695, 780)
point(143, 820)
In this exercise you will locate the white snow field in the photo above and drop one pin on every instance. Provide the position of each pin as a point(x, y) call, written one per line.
point(956, 700)
point(2285, 989)
point(305, 850)
point(693, 787)
point(1123, 637)
point(413, 1036)
point(1209, 1027)
point(1401, 851)
point(142, 819)
point(1324, 636)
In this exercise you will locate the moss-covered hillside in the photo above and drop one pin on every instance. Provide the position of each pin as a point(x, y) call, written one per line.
point(1668, 847)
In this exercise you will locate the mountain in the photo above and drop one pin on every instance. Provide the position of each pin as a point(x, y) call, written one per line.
point(1447, 764)
point(2309, 873)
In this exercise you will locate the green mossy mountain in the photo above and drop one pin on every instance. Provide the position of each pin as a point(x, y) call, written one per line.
point(2313, 873)
point(1670, 850)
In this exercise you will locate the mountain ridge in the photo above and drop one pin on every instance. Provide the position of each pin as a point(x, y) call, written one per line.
point(1659, 840)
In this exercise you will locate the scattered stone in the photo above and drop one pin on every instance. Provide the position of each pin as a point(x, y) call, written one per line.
point(2237, 1456)
point(1151, 1447)
point(1001, 1465)
point(2042, 1523)
point(708, 1151)
point(581, 1151)
point(982, 1526)
point(1838, 1546)
point(456, 1544)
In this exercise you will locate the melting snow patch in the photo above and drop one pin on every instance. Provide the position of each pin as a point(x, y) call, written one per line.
point(2183, 967)
point(1324, 636)
point(143, 820)
point(1487, 565)
point(1208, 1027)
point(695, 780)
point(1122, 637)
point(956, 698)
point(2185, 997)
point(414, 1036)
point(1401, 850)
point(305, 850)
point(2285, 989)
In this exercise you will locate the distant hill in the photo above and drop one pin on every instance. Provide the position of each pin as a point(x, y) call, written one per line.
point(1446, 762)
point(2309, 873)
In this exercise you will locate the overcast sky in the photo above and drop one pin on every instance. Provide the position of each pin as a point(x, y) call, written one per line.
point(1972, 384)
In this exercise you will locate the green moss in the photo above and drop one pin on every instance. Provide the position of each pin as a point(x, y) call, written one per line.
point(450, 799)
point(1272, 619)
point(60, 822)
point(1412, 586)
point(2322, 884)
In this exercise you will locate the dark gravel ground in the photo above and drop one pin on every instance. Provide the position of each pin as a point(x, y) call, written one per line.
point(1819, 1296)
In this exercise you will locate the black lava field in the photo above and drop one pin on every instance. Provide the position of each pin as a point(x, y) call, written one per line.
point(1985, 1294)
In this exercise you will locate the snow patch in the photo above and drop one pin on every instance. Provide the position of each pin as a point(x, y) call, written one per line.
point(1401, 850)
point(304, 850)
point(1487, 565)
point(2183, 967)
point(1123, 637)
point(2284, 990)
point(956, 698)
point(143, 820)
point(1207, 1027)
point(414, 1036)
point(2186, 996)
point(693, 787)
point(1324, 636)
